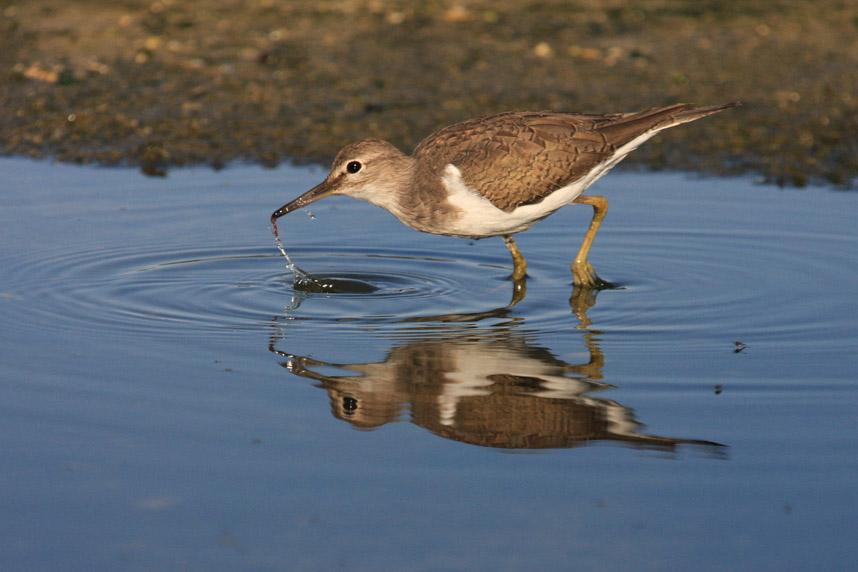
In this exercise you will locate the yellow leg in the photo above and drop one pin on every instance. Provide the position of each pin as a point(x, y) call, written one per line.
point(519, 264)
point(582, 272)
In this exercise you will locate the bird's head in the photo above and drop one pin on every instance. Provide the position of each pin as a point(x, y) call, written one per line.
point(371, 169)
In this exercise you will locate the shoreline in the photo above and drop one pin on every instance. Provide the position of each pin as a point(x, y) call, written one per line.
point(163, 84)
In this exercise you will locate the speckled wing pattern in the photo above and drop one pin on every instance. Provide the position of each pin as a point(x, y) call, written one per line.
point(518, 158)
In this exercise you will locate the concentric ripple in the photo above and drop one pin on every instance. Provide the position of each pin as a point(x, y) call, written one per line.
point(169, 291)
point(682, 260)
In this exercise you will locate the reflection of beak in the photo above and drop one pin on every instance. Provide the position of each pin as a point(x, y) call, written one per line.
point(320, 191)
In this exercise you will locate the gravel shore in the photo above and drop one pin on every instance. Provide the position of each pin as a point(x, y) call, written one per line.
point(174, 82)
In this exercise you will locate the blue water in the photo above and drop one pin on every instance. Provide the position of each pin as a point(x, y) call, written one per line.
point(169, 401)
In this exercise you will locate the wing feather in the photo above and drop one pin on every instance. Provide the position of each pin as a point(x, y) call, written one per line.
point(519, 158)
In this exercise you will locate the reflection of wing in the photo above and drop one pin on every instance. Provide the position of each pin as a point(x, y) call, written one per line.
point(499, 155)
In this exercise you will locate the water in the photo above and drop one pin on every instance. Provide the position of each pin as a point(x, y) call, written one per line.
point(171, 400)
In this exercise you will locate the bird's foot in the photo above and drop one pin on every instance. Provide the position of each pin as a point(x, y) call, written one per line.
point(583, 276)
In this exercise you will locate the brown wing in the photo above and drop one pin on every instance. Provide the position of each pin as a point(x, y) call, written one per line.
point(519, 158)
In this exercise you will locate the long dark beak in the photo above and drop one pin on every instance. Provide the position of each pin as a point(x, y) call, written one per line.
point(320, 191)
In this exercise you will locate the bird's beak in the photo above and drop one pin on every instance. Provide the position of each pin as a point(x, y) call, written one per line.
point(320, 191)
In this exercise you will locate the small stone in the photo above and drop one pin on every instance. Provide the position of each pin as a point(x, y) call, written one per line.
point(543, 50)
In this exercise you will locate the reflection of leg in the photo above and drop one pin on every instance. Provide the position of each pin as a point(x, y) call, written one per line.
point(582, 271)
point(519, 264)
point(584, 298)
point(519, 290)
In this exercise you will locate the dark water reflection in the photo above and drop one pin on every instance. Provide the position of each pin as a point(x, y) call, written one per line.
point(147, 421)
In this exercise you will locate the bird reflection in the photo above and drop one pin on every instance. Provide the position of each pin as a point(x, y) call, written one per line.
point(489, 386)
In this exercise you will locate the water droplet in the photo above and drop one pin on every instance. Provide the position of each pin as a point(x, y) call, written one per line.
point(306, 282)
point(303, 279)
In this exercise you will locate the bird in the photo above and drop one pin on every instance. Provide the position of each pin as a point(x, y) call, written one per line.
point(499, 174)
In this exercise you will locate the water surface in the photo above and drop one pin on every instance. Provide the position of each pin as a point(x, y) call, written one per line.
point(171, 401)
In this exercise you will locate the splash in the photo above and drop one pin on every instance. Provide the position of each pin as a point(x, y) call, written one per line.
point(301, 277)
point(306, 282)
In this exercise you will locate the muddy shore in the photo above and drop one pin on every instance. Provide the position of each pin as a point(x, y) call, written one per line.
point(173, 82)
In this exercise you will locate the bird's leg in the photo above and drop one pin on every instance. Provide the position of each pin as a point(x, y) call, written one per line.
point(582, 271)
point(519, 264)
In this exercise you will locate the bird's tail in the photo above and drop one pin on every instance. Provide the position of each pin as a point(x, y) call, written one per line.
point(692, 113)
point(628, 126)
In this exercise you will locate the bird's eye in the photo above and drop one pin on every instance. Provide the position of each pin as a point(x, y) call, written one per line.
point(350, 405)
point(353, 167)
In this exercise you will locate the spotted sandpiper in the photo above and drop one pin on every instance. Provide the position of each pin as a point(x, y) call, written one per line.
point(499, 174)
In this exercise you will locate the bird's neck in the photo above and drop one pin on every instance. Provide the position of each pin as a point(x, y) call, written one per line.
point(422, 203)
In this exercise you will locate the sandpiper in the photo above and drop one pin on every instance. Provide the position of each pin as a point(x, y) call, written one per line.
point(499, 174)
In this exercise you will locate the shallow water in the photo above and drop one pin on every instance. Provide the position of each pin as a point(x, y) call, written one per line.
point(170, 401)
